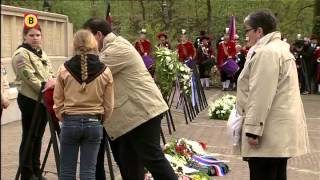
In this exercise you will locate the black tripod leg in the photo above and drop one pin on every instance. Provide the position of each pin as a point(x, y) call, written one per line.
point(185, 114)
point(171, 120)
point(112, 177)
point(46, 157)
point(168, 123)
point(162, 136)
point(193, 109)
point(54, 142)
point(185, 103)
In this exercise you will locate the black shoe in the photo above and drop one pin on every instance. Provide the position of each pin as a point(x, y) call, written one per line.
point(34, 177)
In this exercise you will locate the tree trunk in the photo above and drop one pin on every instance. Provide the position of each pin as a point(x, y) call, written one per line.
point(143, 10)
point(209, 19)
point(165, 14)
point(316, 19)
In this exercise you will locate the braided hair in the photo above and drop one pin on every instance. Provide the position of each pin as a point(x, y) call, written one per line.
point(84, 43)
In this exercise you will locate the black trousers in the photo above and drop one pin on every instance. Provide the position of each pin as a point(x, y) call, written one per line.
point(141, 148)
point(100, 171)
point(30, 164)
point(268, 168)
point(224, 76)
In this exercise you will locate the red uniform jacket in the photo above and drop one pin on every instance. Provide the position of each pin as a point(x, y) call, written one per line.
point(185, 51)
point(143, 46)
point(225, 49)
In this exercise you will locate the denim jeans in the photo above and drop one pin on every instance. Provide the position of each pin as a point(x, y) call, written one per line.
point(84, 132)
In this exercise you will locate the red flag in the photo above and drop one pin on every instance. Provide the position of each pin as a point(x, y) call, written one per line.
point(232, 28)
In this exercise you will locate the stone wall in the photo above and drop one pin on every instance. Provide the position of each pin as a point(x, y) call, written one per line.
point(57, 39)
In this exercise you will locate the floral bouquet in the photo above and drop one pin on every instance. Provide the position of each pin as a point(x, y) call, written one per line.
point(191, 162)
point(222, 107)
point(168, 68)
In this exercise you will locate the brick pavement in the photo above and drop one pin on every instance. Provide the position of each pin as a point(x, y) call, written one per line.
point(212, 132)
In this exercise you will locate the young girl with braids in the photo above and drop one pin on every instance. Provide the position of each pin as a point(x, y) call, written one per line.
point(83, 100)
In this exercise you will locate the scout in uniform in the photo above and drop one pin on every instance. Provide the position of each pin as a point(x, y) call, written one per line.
point(33, 70)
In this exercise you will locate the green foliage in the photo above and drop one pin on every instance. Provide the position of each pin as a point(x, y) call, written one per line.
point(316, 27)
point(295, 16)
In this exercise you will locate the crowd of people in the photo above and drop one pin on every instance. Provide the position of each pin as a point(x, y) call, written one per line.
point(209, 57)
point(106, 93)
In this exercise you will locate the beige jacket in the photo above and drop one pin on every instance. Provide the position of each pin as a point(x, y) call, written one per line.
point(268, 98)
point(30, 71)
point(98, 97)
point(137, 97)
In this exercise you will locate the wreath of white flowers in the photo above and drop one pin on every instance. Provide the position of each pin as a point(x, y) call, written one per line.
point(168, 69)
point(222, 107)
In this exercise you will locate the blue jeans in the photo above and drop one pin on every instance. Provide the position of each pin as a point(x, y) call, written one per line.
point(84, 132)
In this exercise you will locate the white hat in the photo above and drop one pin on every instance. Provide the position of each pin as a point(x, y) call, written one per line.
point(298, 36)
point(227, 30)
point(143, 31)
point(183, 31)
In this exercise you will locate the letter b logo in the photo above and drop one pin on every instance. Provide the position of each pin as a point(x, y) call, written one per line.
point(30, 20)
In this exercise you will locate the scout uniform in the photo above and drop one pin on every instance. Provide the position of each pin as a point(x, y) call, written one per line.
point(31, 70)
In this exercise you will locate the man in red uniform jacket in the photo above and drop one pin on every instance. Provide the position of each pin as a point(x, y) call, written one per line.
point(185, 48)
point(226, 50)
point(143, 45)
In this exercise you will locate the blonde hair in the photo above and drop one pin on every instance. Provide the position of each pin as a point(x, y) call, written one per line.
point(84, 43)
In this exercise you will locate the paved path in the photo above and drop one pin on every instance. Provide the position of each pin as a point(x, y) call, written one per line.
point(212, 132)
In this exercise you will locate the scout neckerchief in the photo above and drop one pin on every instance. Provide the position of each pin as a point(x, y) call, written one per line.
point(95, 67)
point(33, 50)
